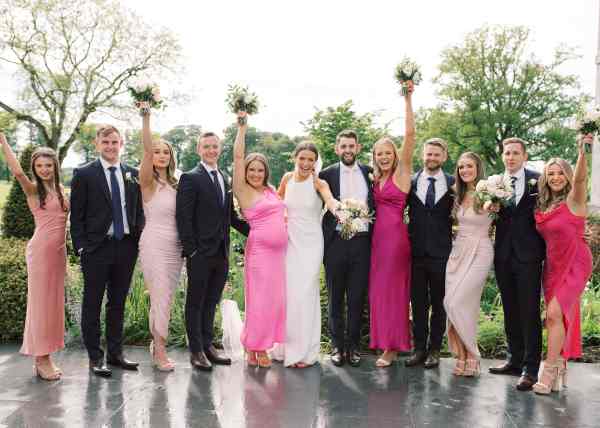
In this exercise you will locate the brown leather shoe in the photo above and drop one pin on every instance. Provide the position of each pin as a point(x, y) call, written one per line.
point(433, 360)
point(200, 362)
point(417, 358)
point(505, 369)
point(215, 357)
point(526, 382)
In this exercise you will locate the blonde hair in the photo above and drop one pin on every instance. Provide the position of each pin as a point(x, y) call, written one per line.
point(171, 179)
point(380, 142)
point(546, 197)
point(437, 142)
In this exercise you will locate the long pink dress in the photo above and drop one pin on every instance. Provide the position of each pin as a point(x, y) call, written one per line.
point(567, 269)
point(389, 277)
point(160, 256)
point(46, 269)
point(468, 266)
point(264, 273)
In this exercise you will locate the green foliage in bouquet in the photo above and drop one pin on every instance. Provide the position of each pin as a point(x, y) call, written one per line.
point(407, 71)
point(239, 98)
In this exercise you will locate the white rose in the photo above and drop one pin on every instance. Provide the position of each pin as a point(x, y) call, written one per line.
point(357, 223)
point(481, 186)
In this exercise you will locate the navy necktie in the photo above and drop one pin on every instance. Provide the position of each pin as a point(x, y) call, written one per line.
point(513, 183)
point(217, 186)
point(117, 209)
point(430, 196)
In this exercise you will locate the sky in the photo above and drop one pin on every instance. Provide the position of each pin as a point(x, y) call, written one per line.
point(302, 55)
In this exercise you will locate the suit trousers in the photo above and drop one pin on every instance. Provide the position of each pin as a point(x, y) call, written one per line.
point(108, 268)
point(206, 280)
point(520, 289)
point(347, 264)
point(427, 290)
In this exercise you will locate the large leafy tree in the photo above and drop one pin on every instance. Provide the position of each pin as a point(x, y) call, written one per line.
point(492, 87)
point(184, 138)
point(325, 124)
point(75, 57)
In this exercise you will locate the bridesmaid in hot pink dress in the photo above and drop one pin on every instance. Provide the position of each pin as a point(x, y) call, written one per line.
point(389, 281)
point(264, 271)
point(46, 258)
point(561, 221)
point(160, 248)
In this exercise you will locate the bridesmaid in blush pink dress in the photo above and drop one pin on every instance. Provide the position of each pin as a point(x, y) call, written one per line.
point(389, 281)
point(560, 219)
point(160, 248)
point(46, 258)
point(264, 271)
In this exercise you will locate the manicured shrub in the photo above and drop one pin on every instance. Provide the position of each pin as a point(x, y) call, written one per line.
point(13, 288)
point(17, 220)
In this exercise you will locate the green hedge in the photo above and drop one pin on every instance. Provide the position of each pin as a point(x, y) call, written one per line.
point(13, 288)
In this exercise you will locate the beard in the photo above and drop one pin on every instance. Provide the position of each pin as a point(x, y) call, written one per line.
point(433, 166)
point(348, 161)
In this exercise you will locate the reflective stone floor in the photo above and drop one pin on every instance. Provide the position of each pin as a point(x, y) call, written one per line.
point(322, 396)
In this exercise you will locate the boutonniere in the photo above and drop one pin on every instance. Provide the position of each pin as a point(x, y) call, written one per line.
point(371, 177)
point(532, 182)
point(130, 178)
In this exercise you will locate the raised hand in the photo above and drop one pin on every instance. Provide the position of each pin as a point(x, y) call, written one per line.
point(584, 142)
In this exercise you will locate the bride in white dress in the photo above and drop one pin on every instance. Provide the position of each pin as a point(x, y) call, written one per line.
point(304, 193)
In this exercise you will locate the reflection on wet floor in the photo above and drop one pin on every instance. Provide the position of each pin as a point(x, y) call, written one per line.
point(320, 396)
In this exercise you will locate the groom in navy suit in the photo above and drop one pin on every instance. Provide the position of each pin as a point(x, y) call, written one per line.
point(106, 223)
point(347, 262)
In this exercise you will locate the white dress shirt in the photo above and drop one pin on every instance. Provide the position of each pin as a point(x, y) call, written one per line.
point(519, 184)
point(354, 186)
point(210, 169)
point(119, 174)
point(441, 186)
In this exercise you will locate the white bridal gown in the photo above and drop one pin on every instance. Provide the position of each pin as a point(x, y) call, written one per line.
point(303, 266)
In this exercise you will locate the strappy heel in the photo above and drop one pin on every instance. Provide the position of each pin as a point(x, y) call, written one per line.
point(263, 360)
point(39, 372)
point(251, 358)
point(549, 379)
point(472, 368)
point(459, 368)
point(167, 367)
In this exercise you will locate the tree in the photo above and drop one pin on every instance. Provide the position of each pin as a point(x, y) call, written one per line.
point(84, 142)
point(184, 138)
point(492, 88)
point(17, 220)
point(75, 57)
point(325, 124)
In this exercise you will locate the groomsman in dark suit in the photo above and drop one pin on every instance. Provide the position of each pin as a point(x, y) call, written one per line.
point(347, 262)
point(205, 212)
point(519, 253)
point(106, 223)
point(430, 229)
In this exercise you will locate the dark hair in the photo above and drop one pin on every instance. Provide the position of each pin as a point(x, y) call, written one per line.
point(306, 145)
point(461, 186)
point(515, 140)
point(260, 158)
point(46, 152)
point(346, 133)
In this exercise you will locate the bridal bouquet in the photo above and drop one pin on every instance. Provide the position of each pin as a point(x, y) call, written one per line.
point(146, 96)
point(589, 123)
point(239, 98)
point(407, 71)
point(352, 216)
point(497, 189)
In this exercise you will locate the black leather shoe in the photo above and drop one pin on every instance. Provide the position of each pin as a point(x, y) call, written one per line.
point(417, 358)
point(353, 358)
point(99, 369)
point(433, 360)
point(506, 369)
point(121, 361)
point(200, 362)
point(213, 356)
point(526, 382)
point(337, 357)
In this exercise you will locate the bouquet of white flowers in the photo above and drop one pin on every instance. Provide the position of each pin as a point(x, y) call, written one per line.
point(239, 99)
point(497, 189)
point(352, 216)
point(407, 71)
point(146, 96)
point(589, 123)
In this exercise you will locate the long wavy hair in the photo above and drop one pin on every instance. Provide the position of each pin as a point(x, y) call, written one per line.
point(171, 168)
point(384, 140)
point(48, 153)
point(262, 159)
point(461, 188)
point(546, 197)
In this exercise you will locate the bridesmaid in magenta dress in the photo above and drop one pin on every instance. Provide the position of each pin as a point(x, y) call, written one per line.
point(160, 248)
point(264, 271)
point(46, 258)
point(389, 281)
point(560, 219)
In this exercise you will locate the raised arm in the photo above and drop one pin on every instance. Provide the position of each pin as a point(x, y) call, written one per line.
point(147, 183)
point(241, 189)
point(403, 172)
point(15, 168)
point(577, 198)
